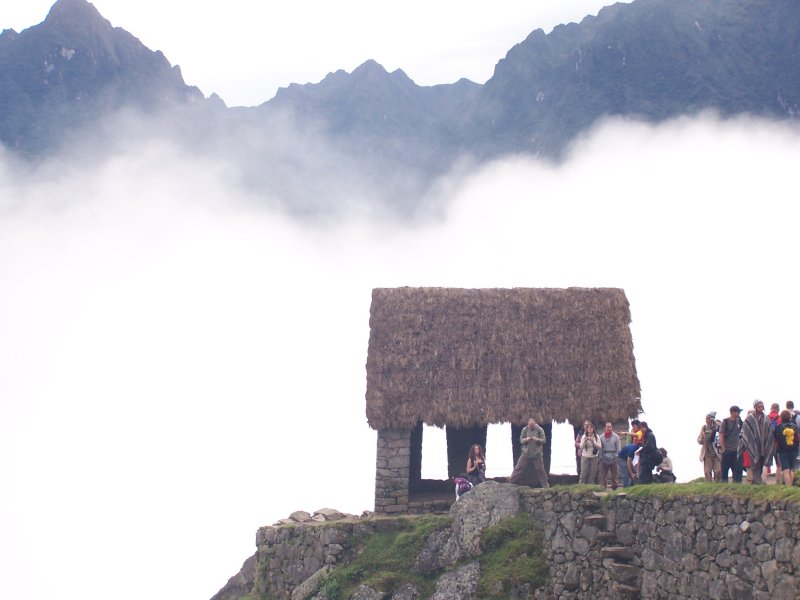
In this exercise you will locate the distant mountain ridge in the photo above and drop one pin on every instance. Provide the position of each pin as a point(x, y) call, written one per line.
point(73, 68)
point(650, 59)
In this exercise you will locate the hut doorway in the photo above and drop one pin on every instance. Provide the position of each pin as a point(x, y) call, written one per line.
point(459, 441)
point(432, 455)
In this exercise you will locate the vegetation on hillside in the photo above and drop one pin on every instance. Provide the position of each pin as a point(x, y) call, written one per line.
point(513, 555)
point(385, 560)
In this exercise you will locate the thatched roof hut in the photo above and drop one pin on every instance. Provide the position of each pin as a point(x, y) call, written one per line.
point(469, 357)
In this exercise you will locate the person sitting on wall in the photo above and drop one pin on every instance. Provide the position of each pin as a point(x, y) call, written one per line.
point(476, 465)
point(665, 474)
point(533, 440)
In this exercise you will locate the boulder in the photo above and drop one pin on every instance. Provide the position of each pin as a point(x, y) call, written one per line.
point(300, 516)
point(486, 505)
point(364, 592)
point(328, 514)
point(461, 584)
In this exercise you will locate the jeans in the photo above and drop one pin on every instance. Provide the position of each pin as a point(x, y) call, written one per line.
point(731, 461)
point(623, 471)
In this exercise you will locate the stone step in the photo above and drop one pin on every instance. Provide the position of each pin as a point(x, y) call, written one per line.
point(598, 521)
point(626, 592)
point(623, 573)
point(624, 553)
point(608, 538)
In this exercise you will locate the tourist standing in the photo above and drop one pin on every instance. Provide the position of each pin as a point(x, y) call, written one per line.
point(649, 457)
point(578, 438)
point(758, 439)
point(709, 450)
point(609, 448)
point(775, 419)
point(796, 420)
point(787, 445)
point(590, 452)
point(533, 440)
point(729, 442)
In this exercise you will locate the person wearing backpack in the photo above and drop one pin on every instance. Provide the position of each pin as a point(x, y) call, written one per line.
point(796, 420)
point(786, 440)
point(650, 457)
point(462, 485)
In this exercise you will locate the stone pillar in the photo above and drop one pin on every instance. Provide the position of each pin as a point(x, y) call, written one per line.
point(392, 471)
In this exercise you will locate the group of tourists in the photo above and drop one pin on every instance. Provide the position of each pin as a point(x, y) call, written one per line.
point(735, 446)
point(730, 445)
point(603, 458)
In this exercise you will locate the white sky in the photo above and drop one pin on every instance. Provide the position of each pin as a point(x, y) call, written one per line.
point(168, 348)
point(245, 50)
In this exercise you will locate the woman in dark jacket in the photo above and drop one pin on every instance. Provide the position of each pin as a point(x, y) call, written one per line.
point(476, 465)
point(650, 457)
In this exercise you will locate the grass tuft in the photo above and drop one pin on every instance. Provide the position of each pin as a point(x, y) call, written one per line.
point(513, 555)
point(761, 493)
point(385, 560)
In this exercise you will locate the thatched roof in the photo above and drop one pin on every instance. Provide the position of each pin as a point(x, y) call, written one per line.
point(466, 357)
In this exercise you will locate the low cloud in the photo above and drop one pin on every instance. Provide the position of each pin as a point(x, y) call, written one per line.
point(182, 358)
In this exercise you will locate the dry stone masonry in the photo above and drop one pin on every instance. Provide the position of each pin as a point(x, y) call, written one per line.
point(392, 471)
point(598, 545)
point(700, 547)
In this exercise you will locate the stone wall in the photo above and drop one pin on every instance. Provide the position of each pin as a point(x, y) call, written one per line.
point(291, 559)
point(714, 547)
point(392, 463)
point(599, 546)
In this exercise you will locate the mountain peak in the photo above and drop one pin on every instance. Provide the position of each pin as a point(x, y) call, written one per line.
point(75, 13)
point(369, 67)
point(372, 71)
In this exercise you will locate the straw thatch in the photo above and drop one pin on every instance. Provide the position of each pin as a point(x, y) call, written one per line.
point(466, 357)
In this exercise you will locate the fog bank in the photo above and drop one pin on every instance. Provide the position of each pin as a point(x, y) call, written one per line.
point(182, 362)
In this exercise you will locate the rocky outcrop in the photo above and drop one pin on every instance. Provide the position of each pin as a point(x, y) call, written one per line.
point(486, 505)
point(598, 546)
